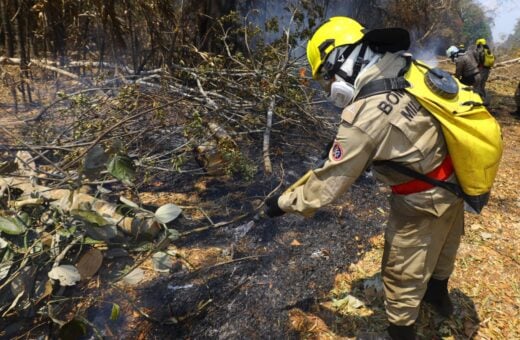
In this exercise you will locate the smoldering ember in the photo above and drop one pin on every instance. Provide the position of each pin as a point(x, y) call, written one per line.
point(146, 148)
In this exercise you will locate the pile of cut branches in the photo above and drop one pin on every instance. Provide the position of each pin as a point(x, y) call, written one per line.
point(96, 135)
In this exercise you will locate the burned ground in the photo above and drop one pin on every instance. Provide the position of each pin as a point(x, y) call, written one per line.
point(287, 263)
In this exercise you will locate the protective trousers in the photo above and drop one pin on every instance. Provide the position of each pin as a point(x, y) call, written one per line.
point(418, 246)
point(480, 84)
point(517, 98)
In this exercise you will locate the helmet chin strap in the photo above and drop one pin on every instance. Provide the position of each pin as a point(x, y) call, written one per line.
point(359, 59)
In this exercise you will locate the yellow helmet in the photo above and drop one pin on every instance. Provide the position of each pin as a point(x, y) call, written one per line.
point(481, 41)
point(335, 32)
point(341, 31)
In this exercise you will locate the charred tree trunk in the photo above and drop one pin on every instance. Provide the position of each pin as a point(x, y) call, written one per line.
point(57, 30)
point(84, 37)
point(207, 12)
point(133, 37)
point(7, 28)
point(9, 82)
point(21, 21)
point(111, 21)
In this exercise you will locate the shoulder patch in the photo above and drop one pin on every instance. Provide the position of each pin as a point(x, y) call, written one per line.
point(337, 151)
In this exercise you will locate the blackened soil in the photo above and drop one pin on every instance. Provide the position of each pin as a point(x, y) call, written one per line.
point(280, 264)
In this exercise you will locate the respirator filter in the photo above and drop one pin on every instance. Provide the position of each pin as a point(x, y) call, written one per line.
point(341, 93)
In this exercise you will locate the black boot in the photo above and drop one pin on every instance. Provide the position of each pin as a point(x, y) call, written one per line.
point(437, 295)
point(401, 332)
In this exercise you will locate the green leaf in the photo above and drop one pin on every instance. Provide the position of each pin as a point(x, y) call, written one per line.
point(94, 162)
point(90, 216)
point(103, 190)
point(24, 217)
point(167, 213)
point(173, 234)
point(128, 202)
point(92, 241)
point(106, 233)
point(348, 303)
point(114, 315)
point(145, 246)
point(11, 226)
point(6, 262)
point(162, 262)
point(3, 243)
point(122, 168)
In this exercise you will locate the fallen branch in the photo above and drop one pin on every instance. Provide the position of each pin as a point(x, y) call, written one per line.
point(69, 200)
point(163, 243)
point(29, 171)
point(59, 71)
point(213, 226)
point(16, 61)
point(105, 132)
point(65, 250)
point(52, 66)
point(246, 258)
point(210, 102)
point(507, 62)
point(63, 98)
point(267, 136)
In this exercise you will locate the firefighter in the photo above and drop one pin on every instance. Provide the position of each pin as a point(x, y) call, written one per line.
point(486, 60)
point(466, 67)
point(453, 53)
point(462, 48)
point(425, 222)
point(516, 114)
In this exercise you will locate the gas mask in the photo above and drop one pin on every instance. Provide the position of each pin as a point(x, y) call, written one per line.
point(341, 93)
point(346, 64)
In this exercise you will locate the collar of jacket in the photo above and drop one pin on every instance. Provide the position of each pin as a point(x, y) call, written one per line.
point(387, 67)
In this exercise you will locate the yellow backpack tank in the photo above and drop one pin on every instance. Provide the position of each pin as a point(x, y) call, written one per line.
point(473, 136)
point(489, 58)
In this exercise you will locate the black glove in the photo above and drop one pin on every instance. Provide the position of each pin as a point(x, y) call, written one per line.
point(271, 207)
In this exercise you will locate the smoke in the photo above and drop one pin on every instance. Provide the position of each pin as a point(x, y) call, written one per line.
point(259, 13)
point(427, 55)
point(432, 51)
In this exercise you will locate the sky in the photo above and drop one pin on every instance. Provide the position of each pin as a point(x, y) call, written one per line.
point(505, 14)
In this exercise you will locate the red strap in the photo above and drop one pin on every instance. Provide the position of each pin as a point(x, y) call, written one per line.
point(441, 173)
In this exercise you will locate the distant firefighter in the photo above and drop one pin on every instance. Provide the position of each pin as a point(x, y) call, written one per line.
point(453, 52)
point(466, 66)
point(516, 113)
point(486, 60)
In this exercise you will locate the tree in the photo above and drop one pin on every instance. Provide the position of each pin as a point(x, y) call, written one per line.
point(513, 40)
point(7, 28)
point(159, 32)
point(475, 22)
